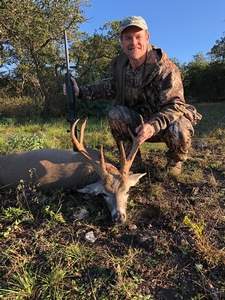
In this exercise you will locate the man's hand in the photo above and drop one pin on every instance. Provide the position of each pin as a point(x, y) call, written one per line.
point(144, 132)
point(75, 86)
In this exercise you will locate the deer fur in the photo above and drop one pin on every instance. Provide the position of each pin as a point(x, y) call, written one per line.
point(114, 183)
point(85, 170)
point(53, 168)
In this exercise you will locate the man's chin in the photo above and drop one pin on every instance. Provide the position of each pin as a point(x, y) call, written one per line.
point(134, 58)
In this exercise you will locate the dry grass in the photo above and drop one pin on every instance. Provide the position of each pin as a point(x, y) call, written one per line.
point(171, 246)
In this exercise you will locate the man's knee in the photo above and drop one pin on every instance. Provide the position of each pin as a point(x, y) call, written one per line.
point(114, 112)
point(117, 119)
point(123, 114)
point(122, 117)
point(178, 139)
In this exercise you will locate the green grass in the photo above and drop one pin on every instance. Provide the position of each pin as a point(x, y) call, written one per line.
point(16, 137)
point(172, 243)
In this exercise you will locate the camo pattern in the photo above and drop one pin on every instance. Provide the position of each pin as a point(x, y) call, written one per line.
point(177, 137)
point(155, 91)
point(103, 90)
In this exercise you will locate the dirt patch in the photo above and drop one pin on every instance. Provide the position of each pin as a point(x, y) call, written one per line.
point(171, 246)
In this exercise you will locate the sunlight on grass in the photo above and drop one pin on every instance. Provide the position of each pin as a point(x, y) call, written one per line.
point(174, 224)
point(56, 135)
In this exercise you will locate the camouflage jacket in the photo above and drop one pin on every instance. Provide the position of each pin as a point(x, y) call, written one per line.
point(154, 89)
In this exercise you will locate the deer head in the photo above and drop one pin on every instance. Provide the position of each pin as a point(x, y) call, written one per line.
point(114, 184)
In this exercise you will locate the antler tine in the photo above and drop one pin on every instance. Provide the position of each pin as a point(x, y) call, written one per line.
point(127, 162)
point(80, 145)
point(100, 169)
point(102, 160)
point(82, 131)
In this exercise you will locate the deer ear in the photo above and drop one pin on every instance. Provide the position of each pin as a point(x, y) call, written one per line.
point(93, 189)
point(133, 178)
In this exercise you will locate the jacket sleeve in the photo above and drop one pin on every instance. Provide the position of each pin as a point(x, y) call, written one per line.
point(171, 103)
point(106, 89)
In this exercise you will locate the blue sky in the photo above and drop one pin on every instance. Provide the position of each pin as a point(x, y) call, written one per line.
point(181, 28)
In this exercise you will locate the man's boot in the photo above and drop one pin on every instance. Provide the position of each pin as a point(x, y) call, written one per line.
point(174, 167)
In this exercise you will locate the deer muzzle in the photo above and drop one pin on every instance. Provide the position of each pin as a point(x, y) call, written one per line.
point(119, 217)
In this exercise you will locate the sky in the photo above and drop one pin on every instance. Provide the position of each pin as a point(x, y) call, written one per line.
point(181, 28)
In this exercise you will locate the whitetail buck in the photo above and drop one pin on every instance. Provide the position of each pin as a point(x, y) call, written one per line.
point(83, 170)
point(114, 183)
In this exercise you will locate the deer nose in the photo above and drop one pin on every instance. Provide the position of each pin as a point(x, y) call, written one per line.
point(119, 217)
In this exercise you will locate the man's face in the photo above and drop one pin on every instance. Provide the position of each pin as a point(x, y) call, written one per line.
point(134, 42)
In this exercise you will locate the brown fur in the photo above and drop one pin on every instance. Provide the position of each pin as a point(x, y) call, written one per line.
point(54, 168)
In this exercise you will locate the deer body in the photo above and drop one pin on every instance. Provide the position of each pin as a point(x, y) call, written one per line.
point(54, 168)
point(85, 170)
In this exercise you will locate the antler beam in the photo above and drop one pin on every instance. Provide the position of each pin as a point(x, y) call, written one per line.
point(100, 168)
point(126, 163)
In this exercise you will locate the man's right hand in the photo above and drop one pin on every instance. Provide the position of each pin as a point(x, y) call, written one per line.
point(144, 132)
point(75, 86)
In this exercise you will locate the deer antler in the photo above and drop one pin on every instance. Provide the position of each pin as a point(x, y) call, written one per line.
point(126, 163)
point(100, 168)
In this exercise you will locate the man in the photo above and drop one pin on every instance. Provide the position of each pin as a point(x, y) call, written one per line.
point(145, 82)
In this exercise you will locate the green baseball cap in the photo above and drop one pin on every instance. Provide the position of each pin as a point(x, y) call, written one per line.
point(133, 21)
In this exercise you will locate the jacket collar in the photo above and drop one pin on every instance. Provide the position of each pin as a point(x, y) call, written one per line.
point(152, 63)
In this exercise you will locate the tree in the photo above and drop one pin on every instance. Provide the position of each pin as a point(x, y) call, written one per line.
point(31, 35)
point(205, 79)
point(217, 52)
point(92, 54)
point(91, 57)
point(193, 83)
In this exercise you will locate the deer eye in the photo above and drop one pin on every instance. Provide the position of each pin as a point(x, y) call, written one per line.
point(105, 195)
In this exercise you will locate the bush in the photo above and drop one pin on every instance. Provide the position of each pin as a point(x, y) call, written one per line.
point(98, 109)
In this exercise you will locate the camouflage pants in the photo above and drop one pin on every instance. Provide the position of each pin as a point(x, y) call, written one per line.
point(177, 136)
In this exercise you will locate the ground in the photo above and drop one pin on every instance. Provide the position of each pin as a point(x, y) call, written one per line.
point(170, 247)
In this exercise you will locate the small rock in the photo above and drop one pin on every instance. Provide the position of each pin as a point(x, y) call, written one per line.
point(195, 191)
point(81, 214)
point(201, 145)
point(132, 227)
point(145, 237)
point(89, 237)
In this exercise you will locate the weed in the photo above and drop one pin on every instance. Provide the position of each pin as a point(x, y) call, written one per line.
point(18, 142)
point(44, 254)
point(184, 249)
point(14, 226)
point(51, 286)
point(22, 285)
point(16, 215)
point(55, 217)
point(195, 227)
point(13, 212)
point(198, 297)
point(132, 203)
point(77, 254)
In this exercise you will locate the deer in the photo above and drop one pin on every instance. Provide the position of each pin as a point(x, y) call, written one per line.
point(114, 184)
point(85, 170)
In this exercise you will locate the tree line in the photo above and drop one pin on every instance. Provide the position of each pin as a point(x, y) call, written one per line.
point(33, 64)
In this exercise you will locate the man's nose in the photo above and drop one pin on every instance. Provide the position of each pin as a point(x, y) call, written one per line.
point(134, 41)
